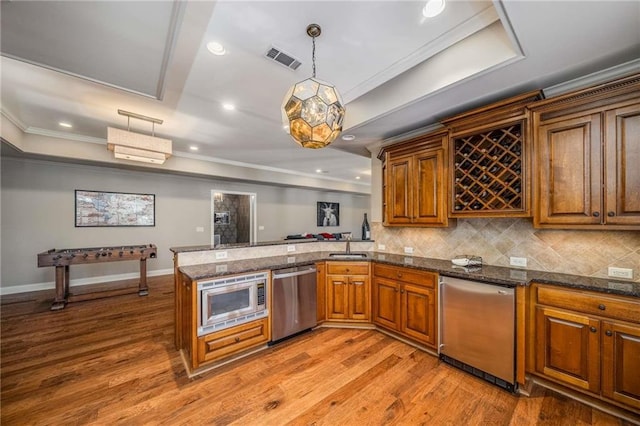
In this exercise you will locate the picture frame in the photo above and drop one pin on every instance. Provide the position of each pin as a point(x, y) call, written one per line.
point(221, 218)
point(327, 214)
point(114, 209)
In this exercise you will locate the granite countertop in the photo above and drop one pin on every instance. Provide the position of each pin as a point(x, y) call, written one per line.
point(510, 277)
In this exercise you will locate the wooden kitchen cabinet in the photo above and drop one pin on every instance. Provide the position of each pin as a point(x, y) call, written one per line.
point(321, 292)
point(568, 347)
point(490, 161)
point(587, 151)
point(232, 340)
point(414, 182)
point(348, 288)
point(589, 341)
point(404, 301)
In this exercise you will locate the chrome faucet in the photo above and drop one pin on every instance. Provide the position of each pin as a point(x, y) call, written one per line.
point(348, 248)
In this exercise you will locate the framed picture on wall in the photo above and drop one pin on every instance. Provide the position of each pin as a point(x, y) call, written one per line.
point(100, 208)
point(328, 214)
point(221, 218)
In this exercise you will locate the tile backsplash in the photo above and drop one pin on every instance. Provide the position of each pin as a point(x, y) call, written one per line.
point(587, 253)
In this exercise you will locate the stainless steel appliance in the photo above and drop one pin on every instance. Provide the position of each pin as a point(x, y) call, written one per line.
point(230, 301)
point(294, 301)
point(477, 329)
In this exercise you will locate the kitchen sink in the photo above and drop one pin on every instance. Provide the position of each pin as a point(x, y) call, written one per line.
point(348, 255)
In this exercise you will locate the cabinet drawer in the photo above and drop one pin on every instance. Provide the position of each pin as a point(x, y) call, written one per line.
point(619, 307)
point(235, 339)
point(426, 279)
point(347, 268)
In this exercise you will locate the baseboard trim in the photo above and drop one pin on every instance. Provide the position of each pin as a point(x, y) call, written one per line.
point(25, 288)
point(603, 406)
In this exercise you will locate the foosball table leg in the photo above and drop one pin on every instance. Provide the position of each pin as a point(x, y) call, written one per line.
point(62, 288)
point(143, 290)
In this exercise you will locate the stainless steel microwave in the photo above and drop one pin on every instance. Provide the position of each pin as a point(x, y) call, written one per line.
point(230, 301)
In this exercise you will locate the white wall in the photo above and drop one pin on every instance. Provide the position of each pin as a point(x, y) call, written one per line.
point(38, 214)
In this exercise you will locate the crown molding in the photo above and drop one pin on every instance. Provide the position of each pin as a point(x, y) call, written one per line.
point(593, 79)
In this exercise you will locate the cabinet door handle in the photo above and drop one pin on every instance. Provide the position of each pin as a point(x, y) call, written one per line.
point(593, 329)
point(401, 291)
point(358, 283)
point(237, 339)
point(395, 289)
point(399, 274)
point(602, 307)
point(596, 214)
point(611, 214)
point(347, 269)
point(608, 333)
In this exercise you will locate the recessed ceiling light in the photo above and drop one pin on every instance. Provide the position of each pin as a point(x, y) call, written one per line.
point(358, 177)
point(193, 148)
point(229, 107)
point(216, 48)
point(433, 8)
point(64, 124)
point(318, 170)
point(348, 137)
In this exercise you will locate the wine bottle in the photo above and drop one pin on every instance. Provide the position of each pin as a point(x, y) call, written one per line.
point(366, 230)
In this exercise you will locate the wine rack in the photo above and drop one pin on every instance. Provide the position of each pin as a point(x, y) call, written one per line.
point(488, 170)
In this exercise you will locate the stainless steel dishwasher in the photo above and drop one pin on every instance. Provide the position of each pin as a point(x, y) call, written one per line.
point(477, 329)
point(294, 301)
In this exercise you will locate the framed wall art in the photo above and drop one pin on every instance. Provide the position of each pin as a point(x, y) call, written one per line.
point(221, 218)
point(99, 208)
point(328, 214)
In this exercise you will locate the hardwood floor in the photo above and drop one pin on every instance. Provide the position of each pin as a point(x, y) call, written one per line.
point(112, 361)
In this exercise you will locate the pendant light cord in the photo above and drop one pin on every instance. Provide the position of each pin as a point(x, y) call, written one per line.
point(313, 56)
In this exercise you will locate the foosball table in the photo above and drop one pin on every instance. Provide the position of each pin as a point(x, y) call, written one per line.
point(64, 258)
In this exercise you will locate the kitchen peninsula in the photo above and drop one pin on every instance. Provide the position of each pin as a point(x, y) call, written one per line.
point(547, 305)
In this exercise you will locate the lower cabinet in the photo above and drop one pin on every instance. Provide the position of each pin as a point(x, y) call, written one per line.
point(232, 340)
point(590, 342)
point(404, 301)
point(347, 297)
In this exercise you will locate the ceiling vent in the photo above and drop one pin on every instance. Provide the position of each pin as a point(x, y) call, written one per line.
point(283, 58)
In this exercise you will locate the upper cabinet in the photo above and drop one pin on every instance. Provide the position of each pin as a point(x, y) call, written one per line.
point(414, 182)
point(587, 152)
point(490, 160)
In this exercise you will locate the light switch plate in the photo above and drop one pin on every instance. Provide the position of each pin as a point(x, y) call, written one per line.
point(408, 250)
point(382, 247)
point(221, 255)
point(620, 272)
point(291, 247)
point(518, 261)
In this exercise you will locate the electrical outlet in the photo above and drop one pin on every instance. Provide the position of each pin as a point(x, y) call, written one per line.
point(382, 247)
point(291, 259)
point(518, 261)
point(221, 255)
point(221, 268)
point(291, 247)
point(199, 229)
point(408, 250)
point(621, 272)
point(261, 228)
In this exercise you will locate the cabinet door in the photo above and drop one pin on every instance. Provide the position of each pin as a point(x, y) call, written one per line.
point(429, 196)
point(399, 205)
point(418, 315)
point(569, 172)
point(621, 363)
point(359, 297)
point(568, 347)
point(386, 303)
point(337, 297)
point(622, 174)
